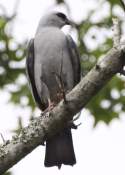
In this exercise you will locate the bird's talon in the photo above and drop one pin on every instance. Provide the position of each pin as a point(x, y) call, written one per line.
point(47, 114)
point(43, 143)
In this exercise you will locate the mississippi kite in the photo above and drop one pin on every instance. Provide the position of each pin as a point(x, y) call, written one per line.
point(52, 54)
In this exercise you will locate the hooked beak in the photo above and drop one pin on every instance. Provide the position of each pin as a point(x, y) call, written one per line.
point(68, 22)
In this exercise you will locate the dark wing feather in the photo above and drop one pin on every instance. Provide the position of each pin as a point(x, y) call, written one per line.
point(30, 73)
point(75, 59)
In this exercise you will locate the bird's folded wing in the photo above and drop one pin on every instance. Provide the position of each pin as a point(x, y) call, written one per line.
point(75, 59)
point(30, 73)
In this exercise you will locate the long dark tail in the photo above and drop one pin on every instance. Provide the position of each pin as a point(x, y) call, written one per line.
point(59, 150)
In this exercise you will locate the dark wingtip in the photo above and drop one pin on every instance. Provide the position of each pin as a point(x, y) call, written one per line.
point(59, 166)
point(48, 165)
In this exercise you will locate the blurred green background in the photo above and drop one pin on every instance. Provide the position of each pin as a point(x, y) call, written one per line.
point(107, 104)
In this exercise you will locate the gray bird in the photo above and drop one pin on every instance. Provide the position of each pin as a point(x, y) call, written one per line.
point(53, 58)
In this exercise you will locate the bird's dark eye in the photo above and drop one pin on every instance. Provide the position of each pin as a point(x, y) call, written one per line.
point(61, 15)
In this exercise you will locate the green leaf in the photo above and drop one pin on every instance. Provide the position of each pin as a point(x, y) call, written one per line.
point(7, 173)
point(108, 113)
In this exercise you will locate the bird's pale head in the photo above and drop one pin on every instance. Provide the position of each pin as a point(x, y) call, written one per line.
point(56, 19)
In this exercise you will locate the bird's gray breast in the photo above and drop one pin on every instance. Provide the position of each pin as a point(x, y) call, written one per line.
point(52, 55)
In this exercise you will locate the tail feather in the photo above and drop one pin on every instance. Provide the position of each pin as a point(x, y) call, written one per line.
point(59, 150)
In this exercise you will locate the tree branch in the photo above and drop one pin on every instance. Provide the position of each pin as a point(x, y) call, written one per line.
point(117, 32)
point(123, 4)
point(44, 127)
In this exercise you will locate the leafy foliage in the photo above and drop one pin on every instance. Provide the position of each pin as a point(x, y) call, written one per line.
point(12, 64)
point(7, 173)
point(106, 105)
